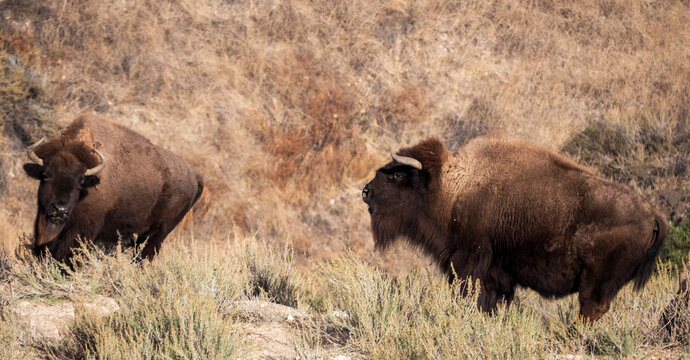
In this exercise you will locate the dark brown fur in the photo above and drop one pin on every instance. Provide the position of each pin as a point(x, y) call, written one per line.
point(511, 213)
point(142, 189)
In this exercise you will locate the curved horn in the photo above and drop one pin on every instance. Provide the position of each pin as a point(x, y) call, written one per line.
point(407, 161)
point(95, 170)
point(32, 155)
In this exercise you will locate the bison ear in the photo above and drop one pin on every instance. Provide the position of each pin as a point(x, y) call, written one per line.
point(91, 180)
point(418, 178)
point(33, 170)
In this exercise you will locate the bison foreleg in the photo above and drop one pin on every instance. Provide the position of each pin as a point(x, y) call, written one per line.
point(494, 285)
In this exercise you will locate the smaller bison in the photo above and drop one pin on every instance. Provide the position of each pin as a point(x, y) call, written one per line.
point(510, 213)
point(100, 181)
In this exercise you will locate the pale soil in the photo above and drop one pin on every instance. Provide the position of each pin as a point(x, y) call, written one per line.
point(268, 328)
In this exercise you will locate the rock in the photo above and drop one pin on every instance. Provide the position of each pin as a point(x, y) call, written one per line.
point(51, 320)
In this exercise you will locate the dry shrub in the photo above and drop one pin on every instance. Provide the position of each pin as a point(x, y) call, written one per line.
point(248, 91)
point(183, 304)
point(674, 325)
point(12, 339)
point(25, 116)
point(419, 316)
point(320, 139)
point(172, 325)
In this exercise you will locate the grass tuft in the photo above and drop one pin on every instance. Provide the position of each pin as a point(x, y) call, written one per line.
point(174, 323)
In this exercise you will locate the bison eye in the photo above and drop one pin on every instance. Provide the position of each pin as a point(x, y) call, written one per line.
point(398, 176)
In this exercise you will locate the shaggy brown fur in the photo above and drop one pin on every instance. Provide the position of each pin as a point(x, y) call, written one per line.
point(142, 189)
point(509, 212)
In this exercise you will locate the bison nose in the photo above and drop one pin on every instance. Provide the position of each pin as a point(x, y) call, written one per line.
point(366, 194)
point(58, 213)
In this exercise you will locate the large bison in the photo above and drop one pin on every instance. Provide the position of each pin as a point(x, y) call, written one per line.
point(101, 181)
point(507, 212)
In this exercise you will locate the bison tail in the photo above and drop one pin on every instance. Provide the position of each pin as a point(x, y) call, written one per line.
point(644, 271)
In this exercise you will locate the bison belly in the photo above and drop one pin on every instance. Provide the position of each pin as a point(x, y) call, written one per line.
point(553, 273)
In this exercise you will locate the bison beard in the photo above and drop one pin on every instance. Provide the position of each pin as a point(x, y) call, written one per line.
point(510, 213)
point(47, 231)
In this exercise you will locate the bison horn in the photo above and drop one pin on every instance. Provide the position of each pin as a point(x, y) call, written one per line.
point(32, 155)
point(95, 170)
point(407, 161)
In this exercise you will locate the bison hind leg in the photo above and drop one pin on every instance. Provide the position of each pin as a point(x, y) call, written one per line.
point(154, 239)
point(156, 235)
point(595, 295)
point(496, 288)
point(592, 310)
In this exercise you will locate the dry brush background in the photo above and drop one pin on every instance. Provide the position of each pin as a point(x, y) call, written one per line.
point(287, 108)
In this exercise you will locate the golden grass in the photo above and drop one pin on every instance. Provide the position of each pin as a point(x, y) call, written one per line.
point(184, 303)
point(287, 108)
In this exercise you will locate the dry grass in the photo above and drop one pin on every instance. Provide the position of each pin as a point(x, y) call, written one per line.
point(179, 306)
point(192, 303)
point(419, 316)
point(286, 108)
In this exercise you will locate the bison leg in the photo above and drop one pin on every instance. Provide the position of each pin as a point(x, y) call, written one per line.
point(611, 265)
point(62, 248)
point(593, 309)
point(494, 290)
point(159, 231)
point(594, 302)
point(154, 239)
point(494, 285)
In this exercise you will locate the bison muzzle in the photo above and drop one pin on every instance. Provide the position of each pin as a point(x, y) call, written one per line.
point(510, 213)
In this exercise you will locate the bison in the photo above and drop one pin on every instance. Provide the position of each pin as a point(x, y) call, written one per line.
point(100, 181)
point(510, 213)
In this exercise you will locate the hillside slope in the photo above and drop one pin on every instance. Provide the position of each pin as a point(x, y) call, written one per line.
point(287, 107)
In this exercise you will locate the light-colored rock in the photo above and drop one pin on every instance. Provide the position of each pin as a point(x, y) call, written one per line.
point(51, 319)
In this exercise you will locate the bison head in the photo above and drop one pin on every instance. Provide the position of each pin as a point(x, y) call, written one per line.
point(401, 193)
point(65, 172)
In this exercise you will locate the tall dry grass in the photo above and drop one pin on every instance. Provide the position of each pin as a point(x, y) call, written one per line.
point(287, 107)
point(183, 305)
point(180, 306)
